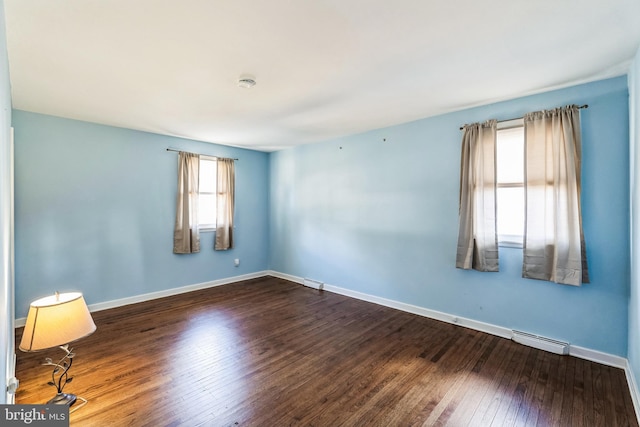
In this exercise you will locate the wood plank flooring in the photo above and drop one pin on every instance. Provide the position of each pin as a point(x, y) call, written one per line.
point(268, 352)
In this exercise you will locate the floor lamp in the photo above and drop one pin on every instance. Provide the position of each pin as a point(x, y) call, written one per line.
point(56, 321)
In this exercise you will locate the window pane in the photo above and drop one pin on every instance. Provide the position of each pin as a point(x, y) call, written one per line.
point(208, 176)
point(510, 155)
point(207, 197)
point(510, 212)
point(207, 209)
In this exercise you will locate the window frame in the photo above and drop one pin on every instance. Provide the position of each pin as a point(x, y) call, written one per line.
point(207, 226)
point(509, 240)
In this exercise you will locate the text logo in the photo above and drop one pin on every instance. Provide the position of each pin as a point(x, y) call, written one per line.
point(34, 415)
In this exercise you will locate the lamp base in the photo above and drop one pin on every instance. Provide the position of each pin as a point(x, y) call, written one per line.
point(63, 399)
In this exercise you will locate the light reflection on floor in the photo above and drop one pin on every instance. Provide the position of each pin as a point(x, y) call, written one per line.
point(208, 349)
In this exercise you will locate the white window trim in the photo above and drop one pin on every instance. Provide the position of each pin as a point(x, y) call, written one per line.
point(508, 240)
point(208, 227)
point(508, 124)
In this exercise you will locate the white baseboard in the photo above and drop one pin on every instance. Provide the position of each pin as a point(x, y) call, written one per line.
point(161, 294)
point(285, 276)
point(633, 388)
point(576, 351)
point(425, 312)
point(598, 356)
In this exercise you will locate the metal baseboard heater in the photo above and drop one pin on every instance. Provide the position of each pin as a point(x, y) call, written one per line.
point(542, 343)
point(313, 284)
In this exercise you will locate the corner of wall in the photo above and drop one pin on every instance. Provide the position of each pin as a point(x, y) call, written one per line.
point(633, 350)
point(7, 354)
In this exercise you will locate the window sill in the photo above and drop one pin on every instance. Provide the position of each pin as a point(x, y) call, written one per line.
point(510, 241)
point(517, 245)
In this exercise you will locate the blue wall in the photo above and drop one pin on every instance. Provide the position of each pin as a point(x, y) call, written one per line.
point(95, 208)
point(378, 213)
point(634, 301)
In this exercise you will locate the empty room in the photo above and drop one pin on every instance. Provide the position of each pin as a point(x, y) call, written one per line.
point(320, 213)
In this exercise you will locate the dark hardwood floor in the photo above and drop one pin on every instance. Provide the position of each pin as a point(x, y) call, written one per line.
point(268, 352)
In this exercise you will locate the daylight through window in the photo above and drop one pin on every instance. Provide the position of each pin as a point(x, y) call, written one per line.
point(207, 193)
point(510, 183)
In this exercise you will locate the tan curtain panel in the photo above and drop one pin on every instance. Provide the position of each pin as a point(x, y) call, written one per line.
point(554, 247)
point(477, 236)
point(225, 200)
point(186, 236)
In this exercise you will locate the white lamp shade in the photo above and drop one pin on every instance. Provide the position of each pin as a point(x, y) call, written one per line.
point(56, 320)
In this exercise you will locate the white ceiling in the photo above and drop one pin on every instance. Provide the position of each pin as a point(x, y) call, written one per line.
point(324, 68)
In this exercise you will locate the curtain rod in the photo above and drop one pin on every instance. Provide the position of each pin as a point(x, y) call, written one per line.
point(178, 151)
point(580, 107)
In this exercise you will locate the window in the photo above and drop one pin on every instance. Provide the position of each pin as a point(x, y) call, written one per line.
point(510, 183)
point(207, 193)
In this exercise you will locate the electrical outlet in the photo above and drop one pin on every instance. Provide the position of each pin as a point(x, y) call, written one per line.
point(236, 262)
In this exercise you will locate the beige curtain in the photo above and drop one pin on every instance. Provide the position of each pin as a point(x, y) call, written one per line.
point(186, 236)
point(225, 200)
point(554, 247)
point(477, 236)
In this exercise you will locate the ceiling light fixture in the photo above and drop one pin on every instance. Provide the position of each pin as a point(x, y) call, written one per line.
point(246, 82)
